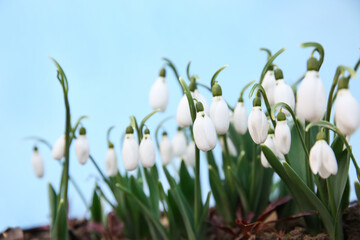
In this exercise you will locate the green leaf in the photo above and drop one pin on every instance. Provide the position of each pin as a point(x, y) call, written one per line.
point(269, 62)
point(154, 194)
point(96, 208)
point(186, 184)
point(211, 161)
point(357, 190)
point(147, 118)
point(60, 230)
point(52, 204)
point(296, 154)
point(189, 98)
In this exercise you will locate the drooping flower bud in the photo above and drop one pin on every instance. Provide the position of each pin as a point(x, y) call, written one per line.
point(230, 144)
point(258, 123)
point(130, 150)
point(219, 111)
point(204, 130)
point(179, 143)
point(166, 149)
point(111, 161)
point(322, 158)
point(159, 93)
point(189, 156)
point(347, 110)
point(240, 117)
point(58, 150)
point(268, 84)
point(183, 114)
point(282, 134)
point(283, 92)
point(38, 163)
point(82, 148)
point(197, 96)
point(147, 150)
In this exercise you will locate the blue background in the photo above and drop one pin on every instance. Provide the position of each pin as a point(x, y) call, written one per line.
point(111, 52)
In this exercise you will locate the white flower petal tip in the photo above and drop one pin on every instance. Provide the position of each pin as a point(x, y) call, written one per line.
point(240, 118)
point(282, 137)
point(189, 157)
point(82, 149)
point(268, 84)
point(37, 163)
point(322, 159)
point(147, 151)
point(311, 98)
point(204, 132)
point(258, 125)
point(166, 149)
point(111, 162)
point(159, 95)
point(58, 150)
point(130, 152)
point(347, 112)
point(179, 144)
point(219, 114)
point(183, 115)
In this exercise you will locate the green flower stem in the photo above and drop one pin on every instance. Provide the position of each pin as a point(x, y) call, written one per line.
point(227, 162)
point(331, 198)
point(307, 145)
point(318, 48)
point(269, 62)
point(267, 104)
point(246, 87)
point(188, 70)
point(172, 66)
point(253, 177)
point(108, 133)
point(204, 86)
point(158, 129)
point(106, 199)
point(267, 51)
point(99, 170)
point(213, 79)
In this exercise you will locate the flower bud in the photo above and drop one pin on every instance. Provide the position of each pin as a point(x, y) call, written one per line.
point(204, 130)
point(219, 111)
point(166, 149)
point(159, 93)
point(38, 163)
point(58, 150)
point(283, 92)
point(268, 84)
point(111, 161)
point(183, 114)
point(82, 148)
point(130, 150)
point(240, 118)
point(179, 143)
point(282, 134)
point(147, 150)
point(258, 123)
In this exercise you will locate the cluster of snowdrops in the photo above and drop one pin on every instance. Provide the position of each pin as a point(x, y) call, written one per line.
point(287, 132)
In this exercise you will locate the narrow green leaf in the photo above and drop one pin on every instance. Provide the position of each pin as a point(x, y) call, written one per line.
point(60, 230)
point(96, 208)
point(154, 194)
point(189, 98)
point(186, 183)
point(52, 204)
point(357, 190)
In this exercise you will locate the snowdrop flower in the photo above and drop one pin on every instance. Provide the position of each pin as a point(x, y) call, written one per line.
point(179, 143)
point(58, 150)
point(166, 149)
point(219, 111)
point(159, 93)
point(282, 134)
point(183, 115)
point(258, 123)
point(82, 148)
point(38, 163)
point(268, 84)
point(147, 150)
point(283, 92)
point(322, 158)
point(311, 96)
point(111, 161)
point(198, 96)
point(347, 110)
point(231, 146)
point(130, 150)
point(189, 156)
point(270, 143)
point(240, 117)
point(204, 130)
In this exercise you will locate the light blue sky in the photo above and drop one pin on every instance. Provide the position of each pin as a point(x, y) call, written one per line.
point(111, 52)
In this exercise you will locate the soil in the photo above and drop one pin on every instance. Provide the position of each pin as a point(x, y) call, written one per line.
point(83, 229)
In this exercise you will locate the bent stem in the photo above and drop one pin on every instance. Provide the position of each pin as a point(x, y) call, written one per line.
point(172, 66)
point(269, 62)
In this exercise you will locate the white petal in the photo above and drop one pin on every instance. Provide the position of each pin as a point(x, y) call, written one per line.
point(189, 157)
point(284, 93)
point(258, 125)
point(147, 151)
point(82, 149)
point(268, 84)
point(323, 172)
point(347, 112)
point(159, 94)
point(183, 115)
point(166, 150)
point(219, 114)
point(315, 156)
point(198, 96)
point(270, 143)
point(311, 98)
point(204, 132)
point(111, 163)
point(38, 164)
point(130, 152)
point(240, 118)
point(329, 161)
point(264, 161)
point(58, 150)
point(179, 144)
point(231, 146)
point(282, 137)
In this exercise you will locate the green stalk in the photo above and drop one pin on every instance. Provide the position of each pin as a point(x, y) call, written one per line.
point(67, 145)
point(227, 162)
point(308, 170)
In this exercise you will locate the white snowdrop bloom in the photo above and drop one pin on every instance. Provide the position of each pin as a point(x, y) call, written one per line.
point(283, 92)
point(82, 148)
point(197, 96)
point(166, 149)
point(130, 150)
point(240, 118)
point(268, 84)
point(38, 163)
point(219, 111)
point(111, 162)
point(204, 130)
point(311, 95)
point(189, 156)
point(257, 123)
point(183, 115)
point(282, 134)
point(347, 110)
point(270, 143)
point(58, 150)
point(159, 93)
point(147, 150)
point(322, 158)
point(179, 143)
point(231, 146)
